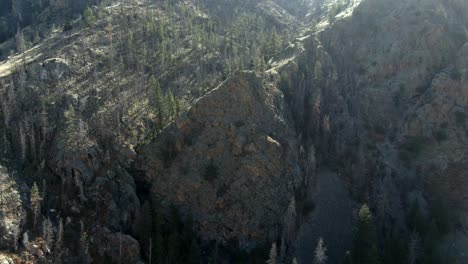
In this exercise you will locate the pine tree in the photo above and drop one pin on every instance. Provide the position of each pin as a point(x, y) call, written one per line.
point(275, 43)
point(158, 102)
point(171, 105)
point(71, 129)
point(36, 38)
point(318, 73)
point(22, 137)
point(365, 240)
point(25, 240)
point(320, 253)
point(416, 219)
point(414, 248)
point(374, 256)
point(59, 242)
point(76, 132)
point(20, 43)
point(88, 16)
point(85, 257)
point(84, 245)
point(348, 258)
point(48, 232)
point(289, 226)
point(177, 106)
point(332, 12)
point(35, 201)
point(273, 257)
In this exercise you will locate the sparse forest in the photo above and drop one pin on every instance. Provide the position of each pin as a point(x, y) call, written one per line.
point(218, 131)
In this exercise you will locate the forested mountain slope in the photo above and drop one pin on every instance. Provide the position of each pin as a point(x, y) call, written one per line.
point(207, 131)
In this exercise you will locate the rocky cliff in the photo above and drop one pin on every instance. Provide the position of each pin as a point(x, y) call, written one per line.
point(232, 162)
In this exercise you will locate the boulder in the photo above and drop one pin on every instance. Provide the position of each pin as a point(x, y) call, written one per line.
point(55, 69)
point(5, 259)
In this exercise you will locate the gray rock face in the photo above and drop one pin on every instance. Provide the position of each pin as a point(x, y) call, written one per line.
point(12, 213)
point(90, 178)
point(5, 259)
point(55, 69)
point(117, 246)
point(232, 162)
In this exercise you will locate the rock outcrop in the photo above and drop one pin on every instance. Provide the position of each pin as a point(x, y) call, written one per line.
point(231, 162)
point(116, 247)
point(5, 259)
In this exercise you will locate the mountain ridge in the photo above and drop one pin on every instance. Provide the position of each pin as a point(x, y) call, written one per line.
point(113, 113)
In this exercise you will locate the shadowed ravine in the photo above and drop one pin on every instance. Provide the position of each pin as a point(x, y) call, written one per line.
point(333, 207)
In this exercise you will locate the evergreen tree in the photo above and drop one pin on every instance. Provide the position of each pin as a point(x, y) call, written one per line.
point(320, 253)
point(275, 43)
point(348, 258)
point(89, 17)
point(414, 248)
point(25, 240)
point(374, 255)
point(48, 232)
point(366, 240)
point(171, 105)
point(289, 226)
point(273, 257)
point(59, 242)
point(75, 131)
point(35, 201)
point(84, 247)
point(36, 38)
point(20, 42)
point(416, 219)
point(158, 102)
point(332, 12)
point(318, 73)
